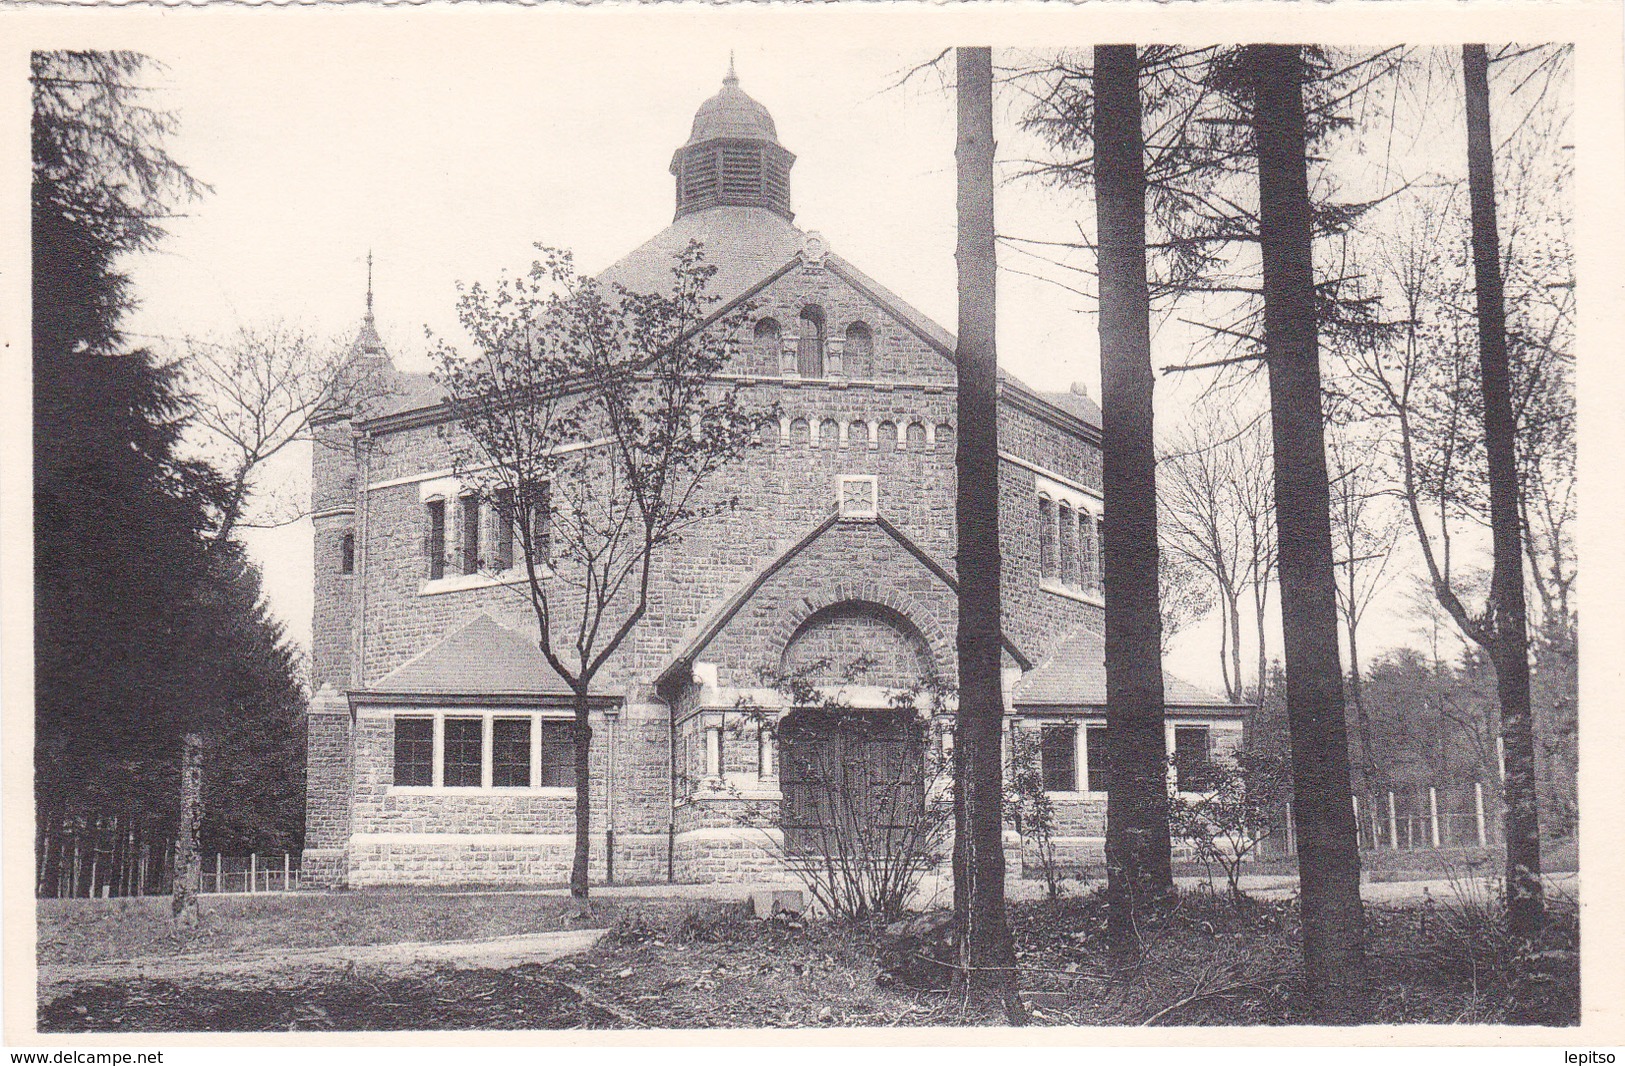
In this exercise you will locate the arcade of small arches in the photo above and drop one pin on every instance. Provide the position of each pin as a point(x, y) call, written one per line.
point(884, 435)
point(809, 351)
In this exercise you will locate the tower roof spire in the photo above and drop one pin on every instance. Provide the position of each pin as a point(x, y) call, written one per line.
point(730, 78)
point(367, 341)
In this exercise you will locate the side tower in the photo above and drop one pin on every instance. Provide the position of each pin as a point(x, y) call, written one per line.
point(338, 560)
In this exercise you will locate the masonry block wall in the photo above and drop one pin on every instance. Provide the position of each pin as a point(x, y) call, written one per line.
point(327, 790)
point(888, 412)
point(333, 495)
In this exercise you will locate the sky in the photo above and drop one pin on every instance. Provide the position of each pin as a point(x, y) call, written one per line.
point(447, 163)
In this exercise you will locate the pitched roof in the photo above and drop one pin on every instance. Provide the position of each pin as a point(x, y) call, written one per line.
point(480, 659)
point(1073, 674)
point(746, 245)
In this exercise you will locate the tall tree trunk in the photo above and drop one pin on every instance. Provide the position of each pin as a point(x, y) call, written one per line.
point(183, 906)
point(987, 952)
point(583, 767)
point(1138, 861)
point(1328, 853)
point(1505, 617)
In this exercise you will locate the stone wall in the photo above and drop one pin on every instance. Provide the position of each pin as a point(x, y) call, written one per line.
point(327, 789)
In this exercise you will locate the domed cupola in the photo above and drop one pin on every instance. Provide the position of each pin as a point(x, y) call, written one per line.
point(733, 157)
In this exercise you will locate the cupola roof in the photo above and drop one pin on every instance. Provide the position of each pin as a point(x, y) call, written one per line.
point(733, 157)
point(731, 113)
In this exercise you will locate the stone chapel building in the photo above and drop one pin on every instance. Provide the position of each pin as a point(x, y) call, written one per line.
point(440, 748)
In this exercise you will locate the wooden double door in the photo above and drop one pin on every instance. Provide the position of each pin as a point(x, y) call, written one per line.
point(853, 781)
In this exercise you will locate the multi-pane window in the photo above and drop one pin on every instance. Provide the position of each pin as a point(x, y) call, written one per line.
point(462, 752)
point(1098, 776)
point(347, 553)
point(1058, 757)
point(434, 545)
point(490, 750)
point(810, 344)
point(414, 751)
point(1068, 545)
point(557, 742)
point(510, 753)
point(1193, 758)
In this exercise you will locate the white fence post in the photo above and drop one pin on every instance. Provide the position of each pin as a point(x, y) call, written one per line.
point(251, 871)
point(1433, 812)
point(1478, 811)
point(1393, 822)
point(219, 886)
point(1356, 800)
point(1376, 830)
point(287, 886)
point(1291, 836)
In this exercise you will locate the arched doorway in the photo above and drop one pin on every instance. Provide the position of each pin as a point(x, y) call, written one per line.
point(853, 779)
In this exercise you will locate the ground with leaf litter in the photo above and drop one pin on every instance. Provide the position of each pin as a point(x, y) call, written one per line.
point(1207, 960)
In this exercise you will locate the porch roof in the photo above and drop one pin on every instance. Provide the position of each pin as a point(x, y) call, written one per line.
point(1073, 674)
point(481, 658)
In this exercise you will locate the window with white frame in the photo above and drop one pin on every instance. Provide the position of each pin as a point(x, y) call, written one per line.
point(484, 750)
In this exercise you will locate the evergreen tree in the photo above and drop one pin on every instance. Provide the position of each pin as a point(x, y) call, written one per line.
point(148, 626)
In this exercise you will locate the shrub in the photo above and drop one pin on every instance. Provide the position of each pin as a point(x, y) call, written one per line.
point(1239, 810)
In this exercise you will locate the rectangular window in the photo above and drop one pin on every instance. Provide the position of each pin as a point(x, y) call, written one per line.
point(463, 752)
point(510, 753)
point(502, 551)
point(1058, 755)
point(414, 751)
point(1193, 759)
point(558, 755)
point(471, 534)
point(1094, 744)
point(347, 553)
point(434, 545)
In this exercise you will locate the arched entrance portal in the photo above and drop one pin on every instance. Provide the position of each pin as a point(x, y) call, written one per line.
point(853, 778)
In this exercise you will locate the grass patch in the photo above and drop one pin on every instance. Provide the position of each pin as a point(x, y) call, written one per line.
point(1207, 961)
point(89, 931)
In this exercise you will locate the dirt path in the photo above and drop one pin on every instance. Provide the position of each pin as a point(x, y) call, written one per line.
point(258, 968)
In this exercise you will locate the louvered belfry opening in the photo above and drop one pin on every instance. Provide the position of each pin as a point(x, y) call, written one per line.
point(733, 157)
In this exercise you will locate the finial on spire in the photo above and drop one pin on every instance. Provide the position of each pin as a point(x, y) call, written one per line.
point(369, 284)
point(732, 78)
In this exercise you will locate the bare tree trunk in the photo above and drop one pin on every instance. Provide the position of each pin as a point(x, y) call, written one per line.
point(583, 768)
point(987, 952)
point(1138, 861)
point(183, 905)
point(1505, 615)
point(1328, 854)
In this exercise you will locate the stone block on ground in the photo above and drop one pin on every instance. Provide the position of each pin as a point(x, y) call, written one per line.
point(767, 902)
